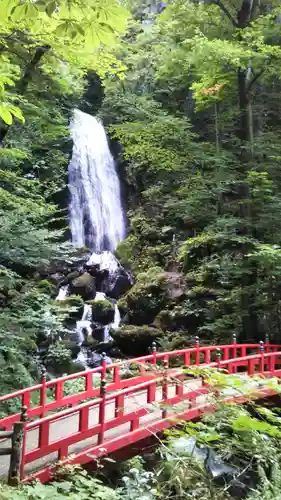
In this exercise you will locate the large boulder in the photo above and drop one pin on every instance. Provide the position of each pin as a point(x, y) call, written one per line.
point(121, 285)
point(135, 340)
point(147, 297)
point(102, 311)
point(75, 261)
point(101, 275)
point(95, 359)
point(85, 286)
point(56, 279)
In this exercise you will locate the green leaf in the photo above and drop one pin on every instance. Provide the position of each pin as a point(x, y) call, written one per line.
point(17, 113)
point(51, 7)
point(6, 115)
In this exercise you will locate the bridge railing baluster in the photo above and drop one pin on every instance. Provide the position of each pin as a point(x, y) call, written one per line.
point(89, 383)
point(243, 351)
point(271, 364)
point(165, 386)
point(225, 353)
point(43, 391)
point(218, 357)
point(154, 354)
point(187, 358)
point(251, 366)
point(261, 358)
point(197, 352)
point(84, 419)
point(116, 374)
point(103, 366)
point(266, 343)
point(59, 390)
point(102, 410)
point(207, 355)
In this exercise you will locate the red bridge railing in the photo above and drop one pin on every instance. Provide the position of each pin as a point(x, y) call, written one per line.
point(100, 420)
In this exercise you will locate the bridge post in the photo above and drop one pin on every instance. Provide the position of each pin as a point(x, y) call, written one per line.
point(154, 359)
point(103, 366)
point(234, 342)
point(16, 469)
point(102, 410)
point(197, 353)
point(43, 391)
point(266, 343)
point(165, 386)
point(234, 350)
point(261, 360)
point(218, 357)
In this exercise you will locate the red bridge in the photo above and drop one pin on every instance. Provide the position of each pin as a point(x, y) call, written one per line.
point(120, 405)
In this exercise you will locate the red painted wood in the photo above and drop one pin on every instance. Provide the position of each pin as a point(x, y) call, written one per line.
point(128, 439)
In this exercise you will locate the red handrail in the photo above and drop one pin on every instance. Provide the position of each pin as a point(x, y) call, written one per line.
point(196, 355)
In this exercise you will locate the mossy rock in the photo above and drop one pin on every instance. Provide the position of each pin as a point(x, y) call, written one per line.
point(47, 288)
point(125, 251)
point(135, 340)
point(72, 276)
point(147, 297)
point(85, 286)
point(74, 306)
point(102, 311)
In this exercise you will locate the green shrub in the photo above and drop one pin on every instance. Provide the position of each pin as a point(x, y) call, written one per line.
point(59, 358)
point(102, 311)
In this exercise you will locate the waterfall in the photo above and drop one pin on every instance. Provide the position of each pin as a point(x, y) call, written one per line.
point(95, 210)
point(84, 325)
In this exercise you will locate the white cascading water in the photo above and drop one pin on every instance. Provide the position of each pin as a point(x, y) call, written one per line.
point(95, 210)
point(84, 325)
point(63, 292)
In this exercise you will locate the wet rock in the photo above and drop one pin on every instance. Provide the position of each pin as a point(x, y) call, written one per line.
point(135, 340)
point(121, 285)
point(95, 359)
point(77, 260)
point(56, 279)
point(98, 332)
point(85, 286)
point(101, 275)
point(70, 277)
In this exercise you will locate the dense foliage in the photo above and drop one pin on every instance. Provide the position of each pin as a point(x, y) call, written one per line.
point(191, 92)
point(198, 117)
point(46, 52)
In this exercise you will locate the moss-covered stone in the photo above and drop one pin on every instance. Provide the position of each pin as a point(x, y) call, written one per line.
point(146, 298)
point(135, 340)
point(74, 306)
point(46, 287)
point(85, 286)
point(125, 251)
point(102, 311)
